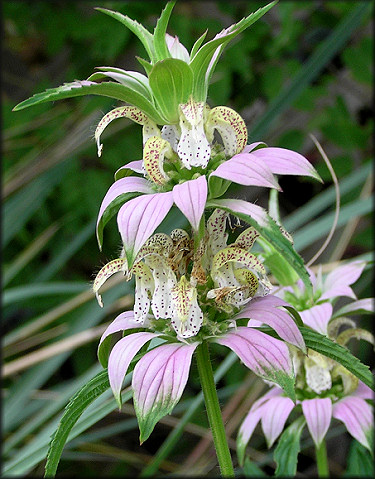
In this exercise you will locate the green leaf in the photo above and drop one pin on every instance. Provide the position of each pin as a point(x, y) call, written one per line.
point(279, 267)
point(130, 79)
point(146, 65)
point(205, 54)
point(139, 30)
point(288, 447)
point(250, 469)
point(217, 186)
point(271, 232)
point(109, 89)
point(109, 212)
point(296, 316)
point(197, 44)
point(160, 45)
point(79, 402)
point(171, 81)
point(360, 462)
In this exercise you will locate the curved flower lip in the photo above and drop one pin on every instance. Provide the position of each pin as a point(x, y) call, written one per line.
point(139, 217)
point(266, 310)
point(122, 322)
point(246, 169)
point(120, 187)
point(136, 166)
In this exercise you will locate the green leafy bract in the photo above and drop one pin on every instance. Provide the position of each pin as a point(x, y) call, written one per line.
point(79, 402)
point(134, 80)
point(201, 61)
point(160, 45)
point(288, 447)
point(139, 30)
point(271, 232)
point(171, 82)
point(80, 88)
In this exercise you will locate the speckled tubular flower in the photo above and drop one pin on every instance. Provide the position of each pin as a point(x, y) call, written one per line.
point(324, 388)
point(183, 162)
point(185, 296)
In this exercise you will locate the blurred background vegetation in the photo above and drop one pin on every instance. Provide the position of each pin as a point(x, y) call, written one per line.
point(306, 67)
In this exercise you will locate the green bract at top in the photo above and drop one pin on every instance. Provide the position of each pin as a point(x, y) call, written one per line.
point(169, 82)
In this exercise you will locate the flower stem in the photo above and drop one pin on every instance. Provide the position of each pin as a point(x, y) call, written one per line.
point(213, 410)
point(321, 460)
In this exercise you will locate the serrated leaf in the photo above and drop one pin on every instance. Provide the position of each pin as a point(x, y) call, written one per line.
point(288, 447)
point(79, 402)
point(160, 45)
point(268, 228)
point(295, 314)
point(139, 30)
point(109, 89)
point(171, 82)
point(201, 60)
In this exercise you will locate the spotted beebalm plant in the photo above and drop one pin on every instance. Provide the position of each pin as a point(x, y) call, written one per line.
point(184, 296)
point(191, 287)
point(324, 388)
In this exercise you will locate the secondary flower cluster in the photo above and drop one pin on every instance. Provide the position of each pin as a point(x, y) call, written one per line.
point(186, 294)
point(324, 388)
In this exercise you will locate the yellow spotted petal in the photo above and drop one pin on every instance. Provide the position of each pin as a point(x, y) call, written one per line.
point(115, 266)
point(159, 243)
point(231, 127)
point(247, 238)
point(133, 113)
point(187, 317)
point(153, 157)
point(237, 255)
point(247, 278)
